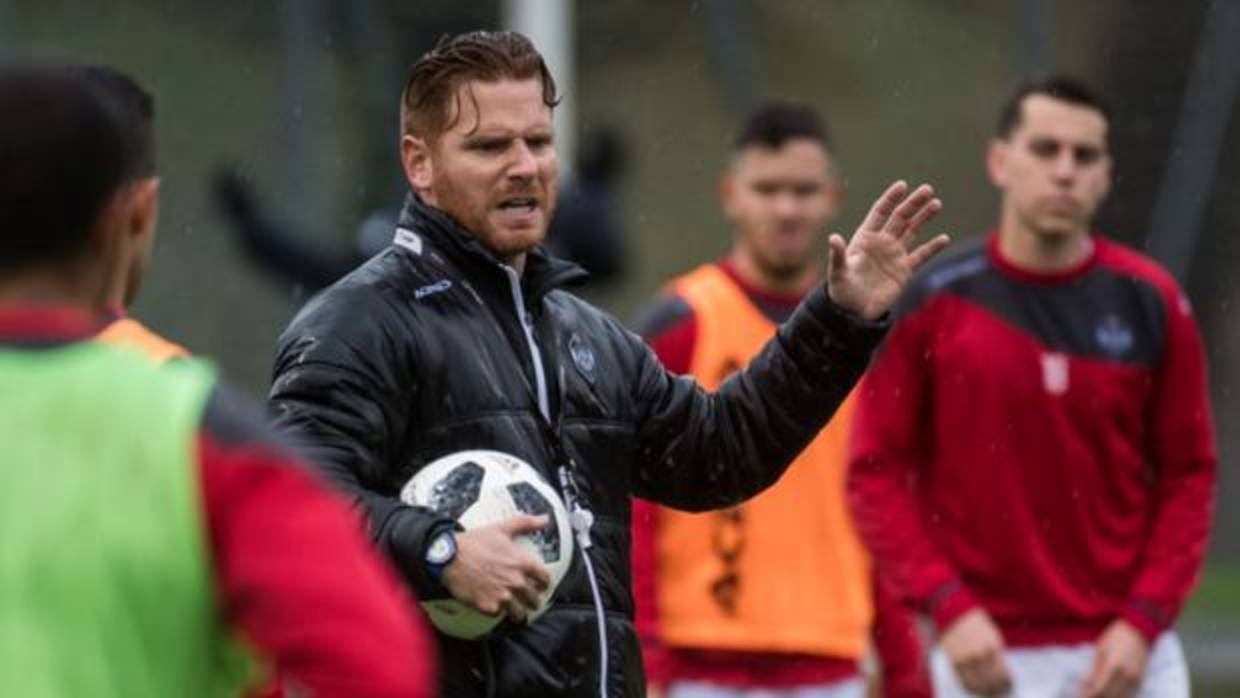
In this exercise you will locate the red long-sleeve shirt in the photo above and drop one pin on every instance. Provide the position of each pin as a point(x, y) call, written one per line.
point(1038, 444)
point(293, 570)
point(670, 327)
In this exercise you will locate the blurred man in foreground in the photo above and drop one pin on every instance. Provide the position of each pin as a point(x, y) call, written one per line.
point(154, 539)
point(773, 597)
point(1034, 460)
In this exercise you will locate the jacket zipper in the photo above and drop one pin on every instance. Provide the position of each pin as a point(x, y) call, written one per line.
point(527, 326)
point(580, 517)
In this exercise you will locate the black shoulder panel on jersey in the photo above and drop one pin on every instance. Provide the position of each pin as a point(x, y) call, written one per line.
point(1102, 314)
point(233, 419)
point(962, 260)
point(662, 315)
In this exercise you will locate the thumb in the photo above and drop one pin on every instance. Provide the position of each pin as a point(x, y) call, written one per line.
point(836, 251)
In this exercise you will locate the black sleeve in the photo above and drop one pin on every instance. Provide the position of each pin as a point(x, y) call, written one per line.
point(348, 423)
point(700, 451)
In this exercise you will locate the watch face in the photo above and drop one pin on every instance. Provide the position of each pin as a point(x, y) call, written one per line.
point(442, 549)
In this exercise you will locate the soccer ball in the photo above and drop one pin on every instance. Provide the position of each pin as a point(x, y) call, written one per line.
point(478, 488)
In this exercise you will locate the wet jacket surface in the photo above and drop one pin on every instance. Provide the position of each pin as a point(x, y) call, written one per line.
point(423, 351)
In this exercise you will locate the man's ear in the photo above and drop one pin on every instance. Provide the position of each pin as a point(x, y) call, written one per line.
point(996, 161)
point(415, 157)
point(726, 186)
point(144, 208)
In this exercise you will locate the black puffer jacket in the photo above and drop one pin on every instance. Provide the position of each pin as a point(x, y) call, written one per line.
point(421, 352)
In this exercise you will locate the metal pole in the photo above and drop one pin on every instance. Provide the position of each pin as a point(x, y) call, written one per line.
point(381, 83)
point(549, 24)
point(298, 23)
point(1035, 36)
point(1189, 177)
point(9, 34)
point(736, 55)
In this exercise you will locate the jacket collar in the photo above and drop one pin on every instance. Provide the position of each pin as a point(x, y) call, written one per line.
point(543, 271)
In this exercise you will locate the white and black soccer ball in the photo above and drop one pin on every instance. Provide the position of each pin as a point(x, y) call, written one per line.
point(481, 487)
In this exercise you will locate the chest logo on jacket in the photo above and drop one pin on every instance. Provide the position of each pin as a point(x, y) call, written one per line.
point(1113, 336)
point(437, 287)
point(1055, 373)
point(583, 357)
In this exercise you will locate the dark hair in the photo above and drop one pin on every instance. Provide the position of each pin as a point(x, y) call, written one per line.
point(455, 60)
point(775, 123)
point(135, 109)
point(1060, 87)
point(63, 154)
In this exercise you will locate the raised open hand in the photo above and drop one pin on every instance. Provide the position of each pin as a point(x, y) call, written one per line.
point(867, 274)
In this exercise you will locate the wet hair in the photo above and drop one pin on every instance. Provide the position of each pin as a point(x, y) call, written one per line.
point(485, 56)
point(1059, 87)
point(136, 109)
point(775, 123)
point(63, 154)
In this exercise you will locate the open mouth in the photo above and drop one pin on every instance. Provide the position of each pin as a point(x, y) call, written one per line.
point(519, 205)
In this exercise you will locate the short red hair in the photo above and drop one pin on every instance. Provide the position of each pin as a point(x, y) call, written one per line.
point(481, 55)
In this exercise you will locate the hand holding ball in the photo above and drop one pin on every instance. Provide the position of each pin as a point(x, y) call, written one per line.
point(497, 498)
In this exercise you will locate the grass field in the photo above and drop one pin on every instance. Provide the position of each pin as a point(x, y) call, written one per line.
point(1210, 626)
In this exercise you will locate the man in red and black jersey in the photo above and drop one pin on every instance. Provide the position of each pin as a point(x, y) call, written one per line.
point(1033, 458)
point(774, 596)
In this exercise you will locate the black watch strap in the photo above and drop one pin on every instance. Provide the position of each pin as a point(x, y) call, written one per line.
point(440, 552)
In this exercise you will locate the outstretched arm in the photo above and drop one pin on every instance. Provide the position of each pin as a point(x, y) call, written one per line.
point(701, 451)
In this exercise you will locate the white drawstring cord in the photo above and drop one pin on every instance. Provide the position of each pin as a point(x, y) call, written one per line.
point(581, 519)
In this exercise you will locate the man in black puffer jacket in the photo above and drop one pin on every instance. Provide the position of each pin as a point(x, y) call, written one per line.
point(460, 335)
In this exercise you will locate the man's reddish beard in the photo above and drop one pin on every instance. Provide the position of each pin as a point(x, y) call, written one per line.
point(461, 209)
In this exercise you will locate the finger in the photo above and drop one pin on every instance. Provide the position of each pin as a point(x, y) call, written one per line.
point(927, 212)
point(523, 523)
point(979, 682)
point(537, 577)
point(516, 612)
point(528, 598)
point(1127, 685)
point(490, 607)
point(1115, 682)
point(968, 678)
point(884, 206)
point(836, 250)
point(921, 254)
point(998, 678)
point(976, 682)
point(1104, 686)
point(1093, 684)
point(971, 676)
point(898, 222)
point(511, 607)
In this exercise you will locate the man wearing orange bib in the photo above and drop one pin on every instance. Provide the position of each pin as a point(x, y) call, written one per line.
point(775, 595)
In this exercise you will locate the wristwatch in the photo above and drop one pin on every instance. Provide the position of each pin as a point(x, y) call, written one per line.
point(440, 553)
